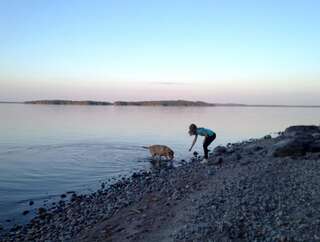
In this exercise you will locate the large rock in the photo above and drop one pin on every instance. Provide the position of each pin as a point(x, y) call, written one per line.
point(295, 146)
point(301, 130)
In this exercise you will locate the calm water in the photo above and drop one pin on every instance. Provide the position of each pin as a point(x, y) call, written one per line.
point(47, 150)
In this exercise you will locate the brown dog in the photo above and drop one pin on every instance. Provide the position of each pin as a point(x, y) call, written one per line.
point(161, 150)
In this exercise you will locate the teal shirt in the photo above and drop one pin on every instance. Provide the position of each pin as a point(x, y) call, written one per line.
point(205, 132)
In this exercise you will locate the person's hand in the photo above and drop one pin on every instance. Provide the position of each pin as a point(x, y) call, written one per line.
point(190, 149)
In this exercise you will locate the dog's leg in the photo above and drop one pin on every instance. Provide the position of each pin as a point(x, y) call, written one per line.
point(153, 157)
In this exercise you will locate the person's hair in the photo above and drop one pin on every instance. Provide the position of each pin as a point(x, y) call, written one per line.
point(192, 129)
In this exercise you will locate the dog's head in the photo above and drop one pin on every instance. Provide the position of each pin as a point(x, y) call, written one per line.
point(171, 154)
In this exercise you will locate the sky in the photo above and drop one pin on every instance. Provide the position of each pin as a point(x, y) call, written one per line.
point(254, 52)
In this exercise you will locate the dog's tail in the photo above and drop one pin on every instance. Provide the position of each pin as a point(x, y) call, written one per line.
point(145, 147)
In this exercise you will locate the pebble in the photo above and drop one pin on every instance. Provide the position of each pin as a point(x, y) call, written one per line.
point(42, 210)
point(267, 137)
point(63, 196)
point(211, 172)
point(25, 212)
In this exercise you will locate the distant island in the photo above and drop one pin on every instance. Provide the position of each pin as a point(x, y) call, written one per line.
point(175, 103)
point(183, 103)
point(67, 102)
point(8, 102)
point(164, 103)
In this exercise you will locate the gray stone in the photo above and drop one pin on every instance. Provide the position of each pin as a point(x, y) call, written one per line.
point(301, 129)
point(267, 137)
point(63, 195)
point(25, 212)
point(297, 146)
point(211, 172)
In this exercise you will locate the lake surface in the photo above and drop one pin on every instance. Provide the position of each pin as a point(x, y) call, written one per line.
point(47, 150)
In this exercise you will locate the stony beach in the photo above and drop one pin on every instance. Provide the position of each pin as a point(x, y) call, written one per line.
point(265, 189)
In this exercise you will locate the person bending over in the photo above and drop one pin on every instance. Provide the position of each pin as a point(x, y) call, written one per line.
point(209, 137)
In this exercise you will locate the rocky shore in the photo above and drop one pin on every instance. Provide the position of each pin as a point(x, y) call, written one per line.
point(264, 189)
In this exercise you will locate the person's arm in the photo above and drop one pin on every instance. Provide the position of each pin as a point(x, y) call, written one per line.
point(194, 141)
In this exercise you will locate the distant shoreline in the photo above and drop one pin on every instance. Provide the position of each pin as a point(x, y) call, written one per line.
point(163, 103)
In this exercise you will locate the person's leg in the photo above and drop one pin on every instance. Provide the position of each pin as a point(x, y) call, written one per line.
point(205, 147)
point(208, 140)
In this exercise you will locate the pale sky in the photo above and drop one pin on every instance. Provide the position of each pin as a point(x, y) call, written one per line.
point(254, 52)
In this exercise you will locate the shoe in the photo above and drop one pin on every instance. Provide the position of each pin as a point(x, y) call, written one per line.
point(204, 161)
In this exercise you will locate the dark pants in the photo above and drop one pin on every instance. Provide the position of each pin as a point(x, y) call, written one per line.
point(207, 141)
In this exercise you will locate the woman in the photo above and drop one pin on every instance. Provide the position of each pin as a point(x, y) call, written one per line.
point(209, 137)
